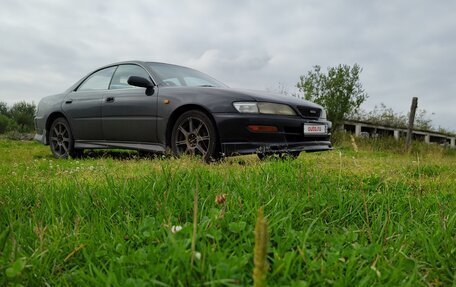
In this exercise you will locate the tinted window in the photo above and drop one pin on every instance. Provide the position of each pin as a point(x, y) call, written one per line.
point(120, 79)
point(98, 80)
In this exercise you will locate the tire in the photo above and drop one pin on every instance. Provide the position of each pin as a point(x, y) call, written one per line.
point(292, 155)
point(195, 134)
point(61, 140)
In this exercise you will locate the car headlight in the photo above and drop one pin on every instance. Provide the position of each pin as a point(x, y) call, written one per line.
point(323, 114)
point(264, 108)
point(247, 107)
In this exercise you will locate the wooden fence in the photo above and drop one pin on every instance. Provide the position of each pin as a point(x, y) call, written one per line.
point(373, 130)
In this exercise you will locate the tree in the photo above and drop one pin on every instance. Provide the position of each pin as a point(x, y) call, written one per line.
point(3, 109)
point(422, 122)
point(4, 123)
point(339, 91)
point(23, 114)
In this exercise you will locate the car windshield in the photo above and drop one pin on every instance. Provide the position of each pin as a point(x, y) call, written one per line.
point(171, 75)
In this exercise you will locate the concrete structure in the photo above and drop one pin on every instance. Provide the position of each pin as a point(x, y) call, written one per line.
point(373, 130)
point(396, 134)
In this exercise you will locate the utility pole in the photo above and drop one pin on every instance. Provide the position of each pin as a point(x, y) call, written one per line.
point(408, 140)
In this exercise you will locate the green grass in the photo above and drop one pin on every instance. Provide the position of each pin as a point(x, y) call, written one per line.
point(342, 218)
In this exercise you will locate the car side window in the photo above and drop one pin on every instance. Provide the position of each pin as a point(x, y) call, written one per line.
point(98, 80)
point(123, 72)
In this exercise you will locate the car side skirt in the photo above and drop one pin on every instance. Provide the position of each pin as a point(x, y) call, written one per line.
point(122, 145)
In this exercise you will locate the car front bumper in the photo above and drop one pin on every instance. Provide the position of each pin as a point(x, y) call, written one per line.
point(40, 135)
point(236, 138)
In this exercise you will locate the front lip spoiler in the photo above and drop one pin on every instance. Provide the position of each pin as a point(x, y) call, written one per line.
point(238, 148)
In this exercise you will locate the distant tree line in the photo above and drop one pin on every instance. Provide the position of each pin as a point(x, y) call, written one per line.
point(17, 118)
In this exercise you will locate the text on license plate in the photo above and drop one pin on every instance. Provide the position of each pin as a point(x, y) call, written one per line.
point(312, 129)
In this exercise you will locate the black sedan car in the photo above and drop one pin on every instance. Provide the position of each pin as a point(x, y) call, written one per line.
point(157, 107)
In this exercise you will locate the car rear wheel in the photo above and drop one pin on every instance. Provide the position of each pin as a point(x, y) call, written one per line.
point(195, 134)
point(61, 140)
point(283, 156)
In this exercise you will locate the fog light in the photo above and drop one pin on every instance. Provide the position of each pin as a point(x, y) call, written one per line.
point(262, 129)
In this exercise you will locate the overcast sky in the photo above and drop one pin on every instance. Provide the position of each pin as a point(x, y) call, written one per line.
point(406, 48)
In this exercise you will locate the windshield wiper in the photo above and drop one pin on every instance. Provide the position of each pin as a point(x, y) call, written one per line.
point(206, 86)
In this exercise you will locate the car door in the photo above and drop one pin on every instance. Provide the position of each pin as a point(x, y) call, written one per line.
point(129, 113)
point(83, 105)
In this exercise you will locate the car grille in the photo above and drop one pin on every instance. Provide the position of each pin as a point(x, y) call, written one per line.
point(310, 113)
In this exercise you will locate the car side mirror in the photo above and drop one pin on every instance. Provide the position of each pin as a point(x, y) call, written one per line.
point(140, 82)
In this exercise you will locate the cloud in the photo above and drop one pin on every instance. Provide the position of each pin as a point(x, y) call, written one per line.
point(406, 48)
point(244, 61)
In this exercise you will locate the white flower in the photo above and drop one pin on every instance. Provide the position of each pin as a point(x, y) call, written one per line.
point(176, 228)
point(198, 255)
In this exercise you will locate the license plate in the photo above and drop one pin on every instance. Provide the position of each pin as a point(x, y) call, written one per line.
point(314, 129)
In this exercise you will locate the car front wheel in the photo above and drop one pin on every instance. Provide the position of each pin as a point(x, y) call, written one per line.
point(194, 134)
point(61, 140)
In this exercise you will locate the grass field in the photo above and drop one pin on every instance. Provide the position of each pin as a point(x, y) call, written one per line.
point(342, 218)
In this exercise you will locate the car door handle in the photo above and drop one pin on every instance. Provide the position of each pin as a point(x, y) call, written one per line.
point(110, 99)
point(68, 101)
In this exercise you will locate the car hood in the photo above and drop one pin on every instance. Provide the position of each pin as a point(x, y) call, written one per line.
point(243, 95)
point(264, 96)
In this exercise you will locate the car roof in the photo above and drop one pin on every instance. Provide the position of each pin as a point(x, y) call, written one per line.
point(143, 63)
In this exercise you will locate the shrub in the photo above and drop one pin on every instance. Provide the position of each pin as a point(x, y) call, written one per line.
point(23, 114)
point(6, 124)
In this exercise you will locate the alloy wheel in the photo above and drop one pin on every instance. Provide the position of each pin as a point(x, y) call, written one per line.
point(194, 133)
point(193, 137)
point(61, 140)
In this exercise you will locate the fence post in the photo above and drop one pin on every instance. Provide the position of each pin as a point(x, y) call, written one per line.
point(408, 141)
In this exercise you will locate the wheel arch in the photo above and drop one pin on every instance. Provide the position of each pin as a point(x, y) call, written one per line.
point(50, 119)
point(185, 108)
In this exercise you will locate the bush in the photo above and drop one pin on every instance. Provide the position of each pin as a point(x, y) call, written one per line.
point(17, 119)
point(23, 114)
point(3, 109)
point(6, 124)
